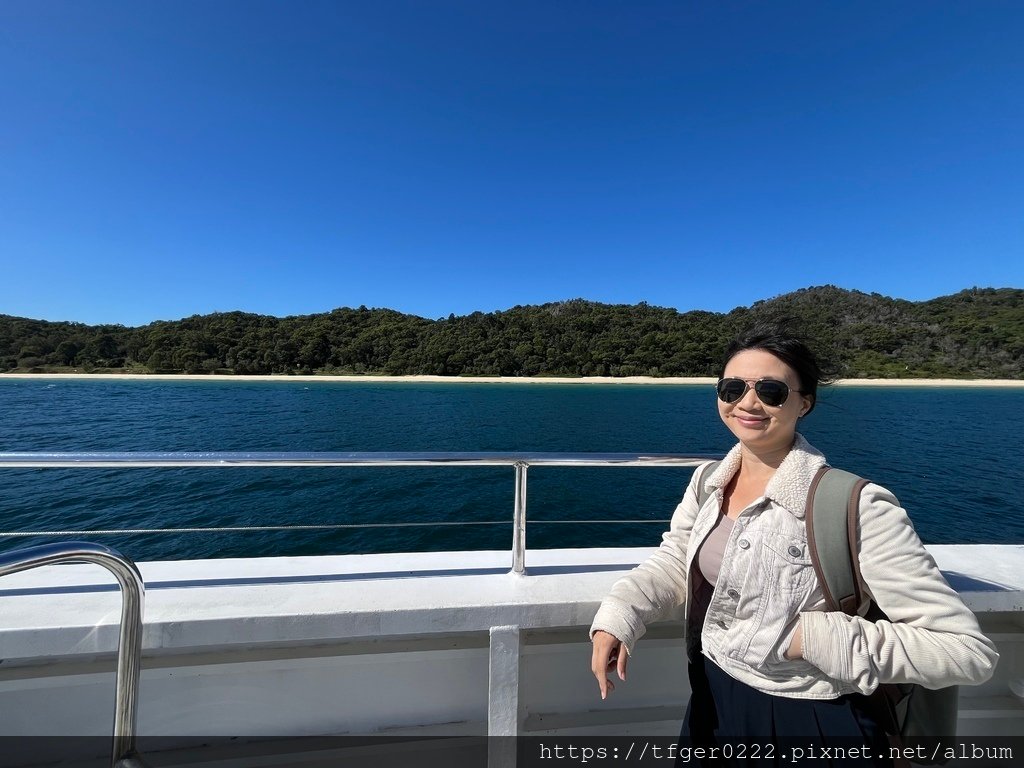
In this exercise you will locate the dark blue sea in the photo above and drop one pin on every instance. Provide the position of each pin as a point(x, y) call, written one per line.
point(953, 456)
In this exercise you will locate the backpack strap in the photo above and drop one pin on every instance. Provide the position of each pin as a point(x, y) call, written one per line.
point(833, 504)
point(904, 711)
point(702, 494)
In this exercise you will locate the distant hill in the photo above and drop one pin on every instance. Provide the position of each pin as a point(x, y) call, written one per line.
point(976, 333)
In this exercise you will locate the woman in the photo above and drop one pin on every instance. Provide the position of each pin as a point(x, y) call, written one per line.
point(767, 663)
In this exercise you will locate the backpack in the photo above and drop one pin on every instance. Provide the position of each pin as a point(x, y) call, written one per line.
point(913, 716)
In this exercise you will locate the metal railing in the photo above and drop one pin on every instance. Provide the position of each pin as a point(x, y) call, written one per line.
point(521, 462)
point(129, 646)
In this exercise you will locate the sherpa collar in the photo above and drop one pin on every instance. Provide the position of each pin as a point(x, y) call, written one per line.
point(791, 482)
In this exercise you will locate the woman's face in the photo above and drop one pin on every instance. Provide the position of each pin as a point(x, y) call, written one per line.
point(760, 427)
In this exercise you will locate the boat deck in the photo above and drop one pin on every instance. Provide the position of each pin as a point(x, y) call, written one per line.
point(429, 644)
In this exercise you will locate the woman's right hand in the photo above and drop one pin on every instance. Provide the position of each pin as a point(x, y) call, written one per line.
point(609, 655)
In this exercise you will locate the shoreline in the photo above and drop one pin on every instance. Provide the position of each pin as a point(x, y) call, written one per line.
point(648, 380)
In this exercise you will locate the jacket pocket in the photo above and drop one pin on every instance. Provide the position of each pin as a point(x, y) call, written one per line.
point(791, 569)
point(786, 581)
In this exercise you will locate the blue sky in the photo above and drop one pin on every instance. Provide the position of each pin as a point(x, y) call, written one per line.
point(163, 159)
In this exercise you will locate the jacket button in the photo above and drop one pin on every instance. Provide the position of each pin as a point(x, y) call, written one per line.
point(794, 551)
point(744, 544)
point(733, 594)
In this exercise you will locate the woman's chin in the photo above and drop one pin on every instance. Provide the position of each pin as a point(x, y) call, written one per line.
point(764, 438)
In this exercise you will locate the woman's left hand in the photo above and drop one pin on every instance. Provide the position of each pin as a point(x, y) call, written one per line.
point(796, 644)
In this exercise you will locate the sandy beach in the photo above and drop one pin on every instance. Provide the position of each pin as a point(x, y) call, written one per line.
point(674, 380)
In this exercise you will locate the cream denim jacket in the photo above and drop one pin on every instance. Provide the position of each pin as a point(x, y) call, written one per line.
point(767, 584)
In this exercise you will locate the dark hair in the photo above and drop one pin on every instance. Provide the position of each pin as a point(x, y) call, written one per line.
point(778, 340)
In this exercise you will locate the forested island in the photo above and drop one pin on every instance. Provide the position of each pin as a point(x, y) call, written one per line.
point(976, 333)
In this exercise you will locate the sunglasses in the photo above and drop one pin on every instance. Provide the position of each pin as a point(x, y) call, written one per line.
point(771, 392)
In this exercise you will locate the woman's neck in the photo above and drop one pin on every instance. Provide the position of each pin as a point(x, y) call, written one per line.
point(761, 464)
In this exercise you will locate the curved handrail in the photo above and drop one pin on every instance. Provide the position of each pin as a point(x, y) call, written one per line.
point(129, 646)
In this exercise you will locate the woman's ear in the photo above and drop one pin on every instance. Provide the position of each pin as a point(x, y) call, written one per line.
point(808, 404)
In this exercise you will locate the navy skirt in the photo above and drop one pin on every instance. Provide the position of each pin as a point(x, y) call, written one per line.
point(751, 728)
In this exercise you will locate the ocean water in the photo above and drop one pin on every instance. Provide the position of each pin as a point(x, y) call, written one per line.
point(953, 457)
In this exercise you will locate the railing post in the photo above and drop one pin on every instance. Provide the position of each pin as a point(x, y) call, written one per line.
point(519, 520)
